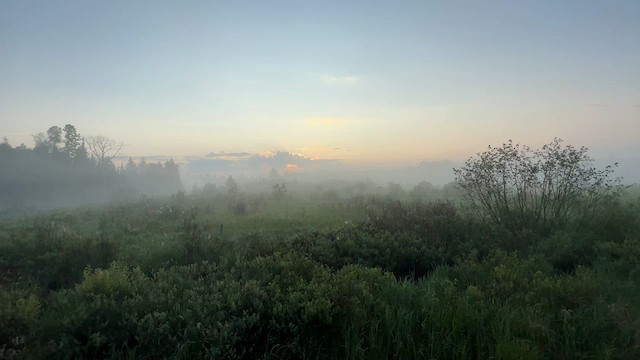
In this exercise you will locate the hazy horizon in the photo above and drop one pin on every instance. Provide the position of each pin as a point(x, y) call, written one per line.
point(215, 179)
point(366, 83)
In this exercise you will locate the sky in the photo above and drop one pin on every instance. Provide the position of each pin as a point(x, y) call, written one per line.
point(363, 82)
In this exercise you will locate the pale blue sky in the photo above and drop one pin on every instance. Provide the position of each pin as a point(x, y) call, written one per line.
point(373, 82)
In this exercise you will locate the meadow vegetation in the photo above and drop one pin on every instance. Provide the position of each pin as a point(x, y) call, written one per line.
point(223, 273)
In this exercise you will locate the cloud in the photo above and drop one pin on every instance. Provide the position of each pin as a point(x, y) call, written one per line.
point(283, 158)
point(341, 80)
point(321, 149)
point(325, 122)
point(256, 164)
point(232, 154)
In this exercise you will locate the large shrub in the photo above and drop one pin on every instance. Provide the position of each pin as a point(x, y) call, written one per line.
point(521, 188)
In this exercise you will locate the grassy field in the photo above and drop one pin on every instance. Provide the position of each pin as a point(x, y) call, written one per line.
point(311, 277)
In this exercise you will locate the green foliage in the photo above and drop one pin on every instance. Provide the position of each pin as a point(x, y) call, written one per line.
point(521, 188)
point(19, 312)
point(54, 256)
point(407, 280)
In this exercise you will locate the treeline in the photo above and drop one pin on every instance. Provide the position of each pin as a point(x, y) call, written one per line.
point(66, 169)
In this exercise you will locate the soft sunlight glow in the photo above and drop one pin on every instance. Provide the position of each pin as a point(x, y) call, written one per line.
point(363, 83)
point(326, 122)
point(292, 168)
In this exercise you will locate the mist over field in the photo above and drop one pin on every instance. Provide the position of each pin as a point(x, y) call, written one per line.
point(319, 180)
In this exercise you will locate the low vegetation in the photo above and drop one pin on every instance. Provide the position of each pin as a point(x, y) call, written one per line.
point(223, 274)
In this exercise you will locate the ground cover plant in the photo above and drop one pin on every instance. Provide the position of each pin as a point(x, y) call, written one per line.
point(235, 275)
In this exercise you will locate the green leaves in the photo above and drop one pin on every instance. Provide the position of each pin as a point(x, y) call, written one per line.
point(520, 188)
point(415, 280)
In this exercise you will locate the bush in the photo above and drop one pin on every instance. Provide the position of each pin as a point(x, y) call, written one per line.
point(521, 188)
point(54, 256)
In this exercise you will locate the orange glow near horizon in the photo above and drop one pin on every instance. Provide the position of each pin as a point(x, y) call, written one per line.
point(292, 168)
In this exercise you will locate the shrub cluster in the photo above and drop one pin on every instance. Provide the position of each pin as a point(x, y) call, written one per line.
point(410, 280)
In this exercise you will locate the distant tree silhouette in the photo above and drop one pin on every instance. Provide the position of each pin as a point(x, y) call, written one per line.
point(103, 148)
point(81, 154)
point(421, 190)
point(58, 171)
point(279, 191)
point(4, 145)
point(54, 135)
point(72, 141)
point(41, 143)
point(232, 186)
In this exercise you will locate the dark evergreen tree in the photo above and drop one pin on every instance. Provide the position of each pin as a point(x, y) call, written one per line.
point(72, 141)
point(58, 172)
point(54, 136)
